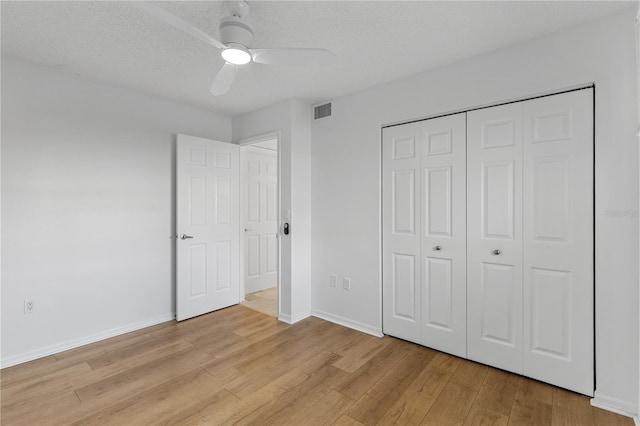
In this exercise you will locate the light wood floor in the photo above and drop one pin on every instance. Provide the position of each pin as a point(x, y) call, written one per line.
point(264, 301)
point(238, 366)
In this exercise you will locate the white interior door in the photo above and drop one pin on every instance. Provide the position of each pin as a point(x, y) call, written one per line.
point(494, 236)
point(443, 237)
point(401, 232)
point(558, 240)
point(260, 217)
point(207, 223)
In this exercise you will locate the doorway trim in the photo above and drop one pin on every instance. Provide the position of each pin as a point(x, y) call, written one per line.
point(247, 142)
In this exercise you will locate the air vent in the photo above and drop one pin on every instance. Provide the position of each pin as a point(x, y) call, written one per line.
point(322, 111)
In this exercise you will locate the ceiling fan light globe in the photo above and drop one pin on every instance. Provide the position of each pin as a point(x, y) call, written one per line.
point(236, 55)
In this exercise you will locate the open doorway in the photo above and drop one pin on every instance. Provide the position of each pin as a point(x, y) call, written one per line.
point(259, 206)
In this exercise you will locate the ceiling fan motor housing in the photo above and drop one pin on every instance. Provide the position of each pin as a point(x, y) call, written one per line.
point(232, 30)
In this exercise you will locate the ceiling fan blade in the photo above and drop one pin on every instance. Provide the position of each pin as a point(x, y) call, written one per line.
point(224, 79)
point(178, 23)
point(301, 57)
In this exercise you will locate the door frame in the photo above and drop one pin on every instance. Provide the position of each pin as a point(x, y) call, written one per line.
point(578, 87)
point(248, 142)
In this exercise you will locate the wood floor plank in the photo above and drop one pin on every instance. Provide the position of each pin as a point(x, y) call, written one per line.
point(40, 387)
point(479, 415)
point(262, 345)
point(325, 411)
point(361, 380)
point(51, 410)
point(124, 353)
point(233, 411)
point(451, 407)
point(182, 397)
point(28, 370)
point(119, 386)
point(221, 406)
point(532, 404)
point(355, 354)
point(415, 402)
point(262, 324)
point(383, 394)
point(300, 373)
point(238, 366)
point(271, 366)
point(345, 420)
point(132, 363)
point(569, 408)
point(470, 374)
point(296, 399)
point(498, 391)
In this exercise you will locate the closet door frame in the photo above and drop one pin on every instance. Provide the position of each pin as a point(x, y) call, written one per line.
point(589, 384)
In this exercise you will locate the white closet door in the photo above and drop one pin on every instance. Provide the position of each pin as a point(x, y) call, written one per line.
point(494, 236)
point(401, 231)
point(443, 245)
point(558, 240)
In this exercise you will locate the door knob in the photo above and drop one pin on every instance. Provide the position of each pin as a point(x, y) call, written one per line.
point(496, 252)
point(185, 236)
point(247, 229)
point(437, 248)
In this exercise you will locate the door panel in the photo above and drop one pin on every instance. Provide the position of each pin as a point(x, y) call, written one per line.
point(260, 200)
point(498, 302)
point(401, 233)
point(498, 194)
point(443, 240)
point(550, 322)
point(439, 308)
point(404, 287)
point(551, 196)
point(438, 190)
point(558, 240)
point(207, 210)
point(403, 200)
point(494, 239)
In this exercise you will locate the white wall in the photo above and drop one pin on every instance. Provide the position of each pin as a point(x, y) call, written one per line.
point(88, 191)
point(345, 177)
point(291, 120)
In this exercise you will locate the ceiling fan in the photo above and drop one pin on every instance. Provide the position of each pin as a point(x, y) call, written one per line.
point(235, 44)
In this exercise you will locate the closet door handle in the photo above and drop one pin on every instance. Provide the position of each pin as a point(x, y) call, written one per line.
point(496, 252)
point(437, 248)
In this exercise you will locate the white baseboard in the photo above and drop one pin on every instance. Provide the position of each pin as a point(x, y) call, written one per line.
point(289, 319)
point(72, 344)
point(284, 318)
point(365, 328)
point(615, 405)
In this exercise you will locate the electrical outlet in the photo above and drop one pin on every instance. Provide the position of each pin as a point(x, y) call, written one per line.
point(29, 306)
point(333, 280)
point(346, 283)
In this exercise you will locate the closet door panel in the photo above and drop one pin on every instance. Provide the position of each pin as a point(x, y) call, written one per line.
point(443, 241)
point(558, 240)
point(494, 227)
point(401, 232)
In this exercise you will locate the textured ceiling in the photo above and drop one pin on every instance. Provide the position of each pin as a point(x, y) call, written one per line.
point(375, 42)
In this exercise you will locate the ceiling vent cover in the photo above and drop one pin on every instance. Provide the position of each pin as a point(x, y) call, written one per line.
point(321, 111)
